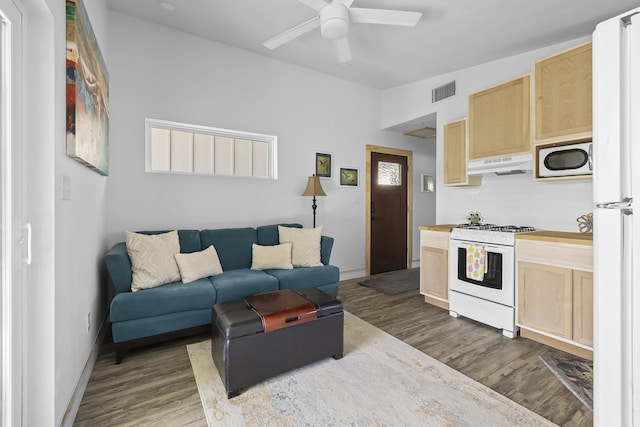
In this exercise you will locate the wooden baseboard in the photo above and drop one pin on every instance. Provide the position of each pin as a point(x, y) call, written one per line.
point(436, 302)
point(560, 345)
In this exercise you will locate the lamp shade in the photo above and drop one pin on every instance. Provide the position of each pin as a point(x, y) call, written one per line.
point(313, 187)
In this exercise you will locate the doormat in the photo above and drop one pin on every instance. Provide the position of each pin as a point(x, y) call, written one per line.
point(576, 374)
point(395, 282)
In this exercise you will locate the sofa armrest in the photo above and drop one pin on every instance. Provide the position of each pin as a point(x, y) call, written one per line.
point(326, 244)
point(119, 268)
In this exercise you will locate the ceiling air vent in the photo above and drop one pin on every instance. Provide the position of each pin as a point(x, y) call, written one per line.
point(442, 92)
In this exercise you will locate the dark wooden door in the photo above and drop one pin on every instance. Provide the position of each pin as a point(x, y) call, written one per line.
point(388, 212)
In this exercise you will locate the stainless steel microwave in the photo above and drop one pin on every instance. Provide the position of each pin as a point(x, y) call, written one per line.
point(566, 160)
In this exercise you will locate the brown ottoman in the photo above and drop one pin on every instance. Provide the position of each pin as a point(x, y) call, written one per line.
point(265, 335)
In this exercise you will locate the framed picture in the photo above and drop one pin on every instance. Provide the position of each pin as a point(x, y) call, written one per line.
point(87, 119)
point(349, 177)
point(428, 184)
point(323, 165)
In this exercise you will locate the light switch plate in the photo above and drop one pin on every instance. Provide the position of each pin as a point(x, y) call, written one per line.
point(66, 187)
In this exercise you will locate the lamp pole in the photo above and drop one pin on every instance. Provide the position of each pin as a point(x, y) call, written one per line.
point(314, 206)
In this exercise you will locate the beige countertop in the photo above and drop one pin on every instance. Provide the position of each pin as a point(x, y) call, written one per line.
point(558, 237)
point(439, 227)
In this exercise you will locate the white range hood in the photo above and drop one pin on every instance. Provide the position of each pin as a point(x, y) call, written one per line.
point(520, 163)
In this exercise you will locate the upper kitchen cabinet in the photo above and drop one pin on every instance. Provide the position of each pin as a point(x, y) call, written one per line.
point(563, 96)
point(455, 155)
point(499, 120)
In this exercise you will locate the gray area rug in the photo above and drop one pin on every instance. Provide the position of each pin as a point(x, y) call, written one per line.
point(394, 282)
point(380, 381)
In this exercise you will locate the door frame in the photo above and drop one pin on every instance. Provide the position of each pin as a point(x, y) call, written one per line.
point(12, 196)
point(397, 152)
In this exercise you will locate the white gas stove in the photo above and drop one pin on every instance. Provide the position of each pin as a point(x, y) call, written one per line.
point(482, 274)
point(489, 233)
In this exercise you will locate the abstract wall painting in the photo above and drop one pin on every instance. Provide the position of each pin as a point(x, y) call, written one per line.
point(87, 121)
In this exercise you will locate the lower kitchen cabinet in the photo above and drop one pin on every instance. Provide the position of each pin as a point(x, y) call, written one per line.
point(583, 307)
point(555, 294)
point(545, 298)
point(434, 267)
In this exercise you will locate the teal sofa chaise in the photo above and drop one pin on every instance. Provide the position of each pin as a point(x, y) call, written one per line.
point(176, 309)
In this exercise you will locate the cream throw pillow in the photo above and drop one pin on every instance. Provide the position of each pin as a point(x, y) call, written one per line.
point(152, 261)
point(305, 245)
point(196, 265)
point(266, 257)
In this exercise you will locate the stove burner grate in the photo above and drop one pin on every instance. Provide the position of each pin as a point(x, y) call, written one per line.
point(494, 227)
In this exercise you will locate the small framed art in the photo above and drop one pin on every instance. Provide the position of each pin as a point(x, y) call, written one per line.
point(323, 165)
point(349, 177)
point(428, 184)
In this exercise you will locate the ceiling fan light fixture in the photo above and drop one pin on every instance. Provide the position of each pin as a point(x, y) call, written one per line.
point(334, 21)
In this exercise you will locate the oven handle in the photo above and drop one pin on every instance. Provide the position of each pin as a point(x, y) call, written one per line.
point(464, 243)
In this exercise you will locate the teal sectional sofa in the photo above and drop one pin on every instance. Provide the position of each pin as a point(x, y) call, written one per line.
point(175, 309)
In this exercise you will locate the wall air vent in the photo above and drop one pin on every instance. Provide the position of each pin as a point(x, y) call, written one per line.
point(442, 92)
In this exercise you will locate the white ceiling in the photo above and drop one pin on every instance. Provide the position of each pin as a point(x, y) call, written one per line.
point(451, 35)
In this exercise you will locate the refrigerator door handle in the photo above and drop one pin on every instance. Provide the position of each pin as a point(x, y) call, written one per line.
point(625, 205)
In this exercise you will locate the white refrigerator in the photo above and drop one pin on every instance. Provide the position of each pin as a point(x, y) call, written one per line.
point(616, 176)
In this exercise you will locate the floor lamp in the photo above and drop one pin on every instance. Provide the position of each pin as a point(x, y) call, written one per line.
point(314, 189)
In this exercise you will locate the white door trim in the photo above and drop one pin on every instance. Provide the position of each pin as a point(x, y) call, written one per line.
point(12, 208)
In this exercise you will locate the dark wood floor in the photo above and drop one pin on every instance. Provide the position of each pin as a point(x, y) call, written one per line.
point(155, 385)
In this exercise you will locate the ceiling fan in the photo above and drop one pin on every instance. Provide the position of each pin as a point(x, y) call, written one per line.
point(334, 18)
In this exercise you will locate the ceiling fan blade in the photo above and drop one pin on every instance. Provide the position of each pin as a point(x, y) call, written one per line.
point(314, 4)
point(383, 16)
point(343, 53)
point(347, 3)
point(294, 32)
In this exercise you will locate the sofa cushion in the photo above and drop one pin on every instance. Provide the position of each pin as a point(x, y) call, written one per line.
point(233, 285)
point(276, 256)
point(152, 260)
point(170, 298)
point(196, 265)
point(268, 235)
point(306, 277)
point(232, 244)
point(306, 245)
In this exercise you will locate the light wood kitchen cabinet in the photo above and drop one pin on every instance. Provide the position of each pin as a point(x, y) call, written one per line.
point(563, 95)
point(555, 292)
point(583, 307)
point(545, 298)
point(455, 155)
point(499, 120)
point(434, 266)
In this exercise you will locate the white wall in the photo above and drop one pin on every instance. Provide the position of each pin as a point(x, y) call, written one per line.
point(515, 199)
point(160, 73)
point(79, 225)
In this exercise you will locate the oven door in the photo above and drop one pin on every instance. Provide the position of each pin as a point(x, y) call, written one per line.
point(498, 283)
